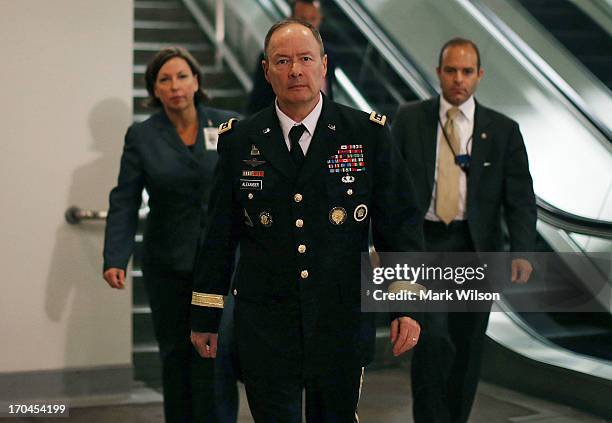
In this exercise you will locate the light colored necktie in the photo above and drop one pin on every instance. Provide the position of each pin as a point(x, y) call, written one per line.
point(447, 184)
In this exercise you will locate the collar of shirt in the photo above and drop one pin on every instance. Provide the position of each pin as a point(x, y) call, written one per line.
point(310, 122)
point(468, 108)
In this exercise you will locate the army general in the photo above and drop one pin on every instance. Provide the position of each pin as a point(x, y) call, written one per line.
point(297, 187)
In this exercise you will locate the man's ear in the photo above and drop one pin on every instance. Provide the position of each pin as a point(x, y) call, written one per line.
point(266, 66)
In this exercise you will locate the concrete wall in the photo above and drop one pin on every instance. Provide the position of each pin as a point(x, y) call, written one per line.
point(65, 80)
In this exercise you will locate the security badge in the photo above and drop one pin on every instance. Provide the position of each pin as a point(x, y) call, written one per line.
point(265, 219)
point(360, 213)
point(211, 138)
point(337, 215)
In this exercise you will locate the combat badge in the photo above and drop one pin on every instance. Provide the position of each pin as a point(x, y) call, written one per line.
point(360, 213)
point(265, 219)
point(254, 162)
point(226, 126)
point(337, 215)
point(378, 118)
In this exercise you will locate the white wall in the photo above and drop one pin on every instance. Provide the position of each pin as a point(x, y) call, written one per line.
point(65, 84)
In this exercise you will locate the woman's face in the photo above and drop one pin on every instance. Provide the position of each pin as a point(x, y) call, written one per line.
point(176, 85)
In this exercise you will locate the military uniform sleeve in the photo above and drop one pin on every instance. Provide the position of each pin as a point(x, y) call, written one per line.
point(519, 198)
point(215, 258)
point(396, 218)
point(124, 202)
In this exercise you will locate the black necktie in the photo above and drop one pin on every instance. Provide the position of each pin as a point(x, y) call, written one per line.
point(296, 151)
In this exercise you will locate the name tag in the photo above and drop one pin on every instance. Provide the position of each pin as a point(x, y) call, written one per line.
point(211, 137)
point(251, 184)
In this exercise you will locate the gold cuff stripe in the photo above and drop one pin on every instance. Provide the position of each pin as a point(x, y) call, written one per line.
point(207, 300)
point(399, 286)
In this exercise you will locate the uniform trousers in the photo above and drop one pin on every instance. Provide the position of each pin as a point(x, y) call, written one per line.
point(196, 390)
point(275, 373)
point(447, 358)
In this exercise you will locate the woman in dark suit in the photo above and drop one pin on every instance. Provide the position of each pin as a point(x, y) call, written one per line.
point(172, 155)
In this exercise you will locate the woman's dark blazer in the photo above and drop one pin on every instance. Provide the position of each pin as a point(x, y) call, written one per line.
point(178, 182)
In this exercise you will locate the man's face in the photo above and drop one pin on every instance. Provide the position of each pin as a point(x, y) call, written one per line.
point(308, 12)
point(294, 66)
point(458, 73)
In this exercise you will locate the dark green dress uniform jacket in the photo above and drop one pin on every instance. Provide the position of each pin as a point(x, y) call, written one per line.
point(178, 182)
point(301, 235)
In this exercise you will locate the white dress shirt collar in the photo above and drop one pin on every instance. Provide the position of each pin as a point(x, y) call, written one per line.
point(310, 121)
point(468, 108)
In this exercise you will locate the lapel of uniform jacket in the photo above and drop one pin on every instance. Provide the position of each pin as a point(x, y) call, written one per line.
point(481, 140)
point(323, 143)
point(169, 134)
point(429, 139)
point(267, 136)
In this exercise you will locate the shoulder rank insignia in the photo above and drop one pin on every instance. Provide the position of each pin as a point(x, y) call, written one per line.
point(226, 126)
point(378, 118)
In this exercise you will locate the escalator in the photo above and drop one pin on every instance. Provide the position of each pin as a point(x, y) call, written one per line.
point(578, 32)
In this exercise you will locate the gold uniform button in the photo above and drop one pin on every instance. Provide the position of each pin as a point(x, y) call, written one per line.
point(235, 292)
point(250, 195)
point(299, 223)
point(349, 191)
point(304, 274)
point(298, 197)
point(302, 249)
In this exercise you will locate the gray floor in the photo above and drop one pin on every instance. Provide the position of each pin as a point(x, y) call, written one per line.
point(385, 399)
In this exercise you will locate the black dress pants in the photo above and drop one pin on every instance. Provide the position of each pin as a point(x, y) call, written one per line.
point(446, 361)
point(271, 354)
point(188, 380)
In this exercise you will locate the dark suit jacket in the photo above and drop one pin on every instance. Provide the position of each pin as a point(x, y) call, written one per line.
point(333, 329)
point(499, 177)
point(178, 182)
point(262, 95)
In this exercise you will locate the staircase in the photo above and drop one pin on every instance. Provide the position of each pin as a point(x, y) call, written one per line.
point(583, 37)
point(158, 24)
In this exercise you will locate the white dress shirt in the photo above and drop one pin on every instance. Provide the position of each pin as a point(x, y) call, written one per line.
point(310, 122)
point(464, 127)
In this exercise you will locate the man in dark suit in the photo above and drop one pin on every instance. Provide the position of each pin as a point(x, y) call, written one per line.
point(469, 164)
point(297, 187)
point(262, 94)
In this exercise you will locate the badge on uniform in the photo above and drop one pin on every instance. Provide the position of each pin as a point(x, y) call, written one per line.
point(251, 184)
point(254, 162)
point(254, 150)
point(211, 138)
point(337, 215)
point(360, 213)
point(348, 179)
point(265, 219)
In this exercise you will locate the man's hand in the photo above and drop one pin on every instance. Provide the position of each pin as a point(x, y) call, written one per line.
point(521, 271)
point(205, 343)
point(115, 277)
point(404, 334)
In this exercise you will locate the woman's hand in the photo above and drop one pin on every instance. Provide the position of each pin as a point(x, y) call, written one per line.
point(115, 277)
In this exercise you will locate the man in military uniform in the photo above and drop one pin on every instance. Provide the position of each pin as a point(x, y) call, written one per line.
point(297, 187)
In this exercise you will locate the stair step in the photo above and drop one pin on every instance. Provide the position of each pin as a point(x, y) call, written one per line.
point(173, 35)
point(142, 328)
point(144, 51)
point(155, 12)
point(165, 25)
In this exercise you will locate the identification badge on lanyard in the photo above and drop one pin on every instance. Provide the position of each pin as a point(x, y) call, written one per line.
point(211, 137)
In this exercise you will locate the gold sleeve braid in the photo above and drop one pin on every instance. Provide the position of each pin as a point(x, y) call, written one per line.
point(207, 300)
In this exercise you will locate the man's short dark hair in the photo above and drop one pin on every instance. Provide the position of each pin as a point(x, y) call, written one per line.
point(156, 64)
point(458, 41)
point(285, 22)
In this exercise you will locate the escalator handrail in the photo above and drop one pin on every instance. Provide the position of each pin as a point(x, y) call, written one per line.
point(399, 61)
point(544, 69)
point(573, 223)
